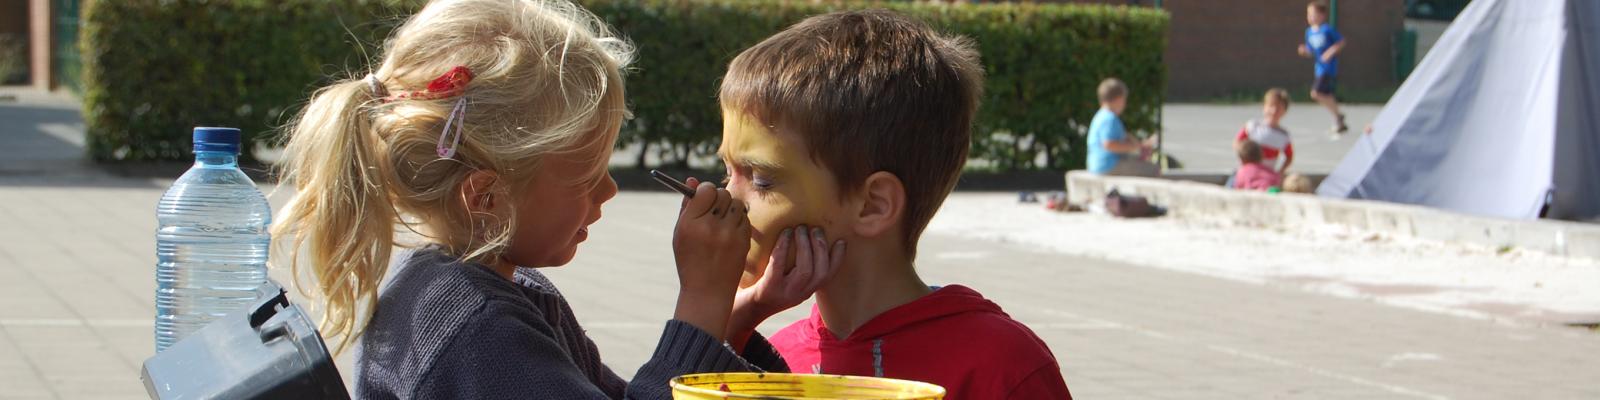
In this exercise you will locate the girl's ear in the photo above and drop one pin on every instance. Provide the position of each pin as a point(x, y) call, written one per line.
point(477, 192)
point(883, 202)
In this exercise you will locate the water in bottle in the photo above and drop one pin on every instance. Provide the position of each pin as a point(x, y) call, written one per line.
point(212, 240)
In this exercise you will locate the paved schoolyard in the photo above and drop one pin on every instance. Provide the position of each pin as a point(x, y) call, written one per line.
point(76, 261)
point(1201, 135)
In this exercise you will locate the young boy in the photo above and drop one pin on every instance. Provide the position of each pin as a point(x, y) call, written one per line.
point(1323, 45)
point(1252, 175)
point(859, 123)
point(1111, 151)
point(1267, 132)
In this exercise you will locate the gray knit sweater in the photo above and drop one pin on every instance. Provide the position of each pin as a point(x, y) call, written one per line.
point(444, 329)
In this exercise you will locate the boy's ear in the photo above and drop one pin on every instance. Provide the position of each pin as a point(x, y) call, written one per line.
point(883, 201)
point(477, 191)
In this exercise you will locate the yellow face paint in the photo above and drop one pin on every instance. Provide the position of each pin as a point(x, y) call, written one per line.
point(773, 174)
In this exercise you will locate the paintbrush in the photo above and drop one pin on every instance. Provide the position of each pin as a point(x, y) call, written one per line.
point(675, 184)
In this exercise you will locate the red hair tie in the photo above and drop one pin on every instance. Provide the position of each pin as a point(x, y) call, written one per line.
point(452, 83)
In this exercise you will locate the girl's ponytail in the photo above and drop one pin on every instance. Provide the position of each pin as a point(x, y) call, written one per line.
point(342, 220)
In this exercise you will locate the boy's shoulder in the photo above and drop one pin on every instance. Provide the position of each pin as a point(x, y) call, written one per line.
point(1105, 113)
point(988, 344)
point(1105, 120)
point(1265, 134)
point(1007, 336)
point(953, 314)
point(1325, 28)
point(952, 337)
point(1259, 123)
point(958, 315)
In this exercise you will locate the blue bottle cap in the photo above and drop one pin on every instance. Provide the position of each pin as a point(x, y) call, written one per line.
point(216, 139)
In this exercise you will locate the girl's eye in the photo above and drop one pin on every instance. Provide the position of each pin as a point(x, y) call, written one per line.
point(761, 184)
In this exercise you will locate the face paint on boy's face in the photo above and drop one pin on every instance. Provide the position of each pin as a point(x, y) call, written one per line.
point(778, 180)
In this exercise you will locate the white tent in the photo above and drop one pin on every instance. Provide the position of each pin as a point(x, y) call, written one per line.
point(1502, 114)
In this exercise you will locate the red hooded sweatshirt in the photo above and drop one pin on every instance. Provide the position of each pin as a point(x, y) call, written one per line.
point(952, 337)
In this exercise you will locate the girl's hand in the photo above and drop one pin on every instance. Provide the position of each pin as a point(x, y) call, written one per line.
point(709, 245)
point(1304, 51)
point(784, 286)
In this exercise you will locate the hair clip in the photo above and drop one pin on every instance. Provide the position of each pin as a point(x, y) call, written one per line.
point(456, 120)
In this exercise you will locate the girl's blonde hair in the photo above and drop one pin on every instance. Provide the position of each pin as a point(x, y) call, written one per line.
point(546, 79)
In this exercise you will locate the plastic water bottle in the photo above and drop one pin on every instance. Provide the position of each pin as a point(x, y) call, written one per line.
point(212, 244)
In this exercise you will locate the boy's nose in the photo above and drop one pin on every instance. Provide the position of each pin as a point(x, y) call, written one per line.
point(735, 189)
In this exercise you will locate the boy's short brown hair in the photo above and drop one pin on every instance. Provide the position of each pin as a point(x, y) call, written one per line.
point(1321, 7)
point(1111, 89)
point(1277, 96)
point(1249, 151)
point(867, 91)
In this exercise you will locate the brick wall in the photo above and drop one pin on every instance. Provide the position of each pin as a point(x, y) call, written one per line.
point(1216, 48)
point(1226, 47)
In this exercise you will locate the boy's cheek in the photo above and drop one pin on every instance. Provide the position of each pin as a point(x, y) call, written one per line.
point(755, 264)
point(768, 220)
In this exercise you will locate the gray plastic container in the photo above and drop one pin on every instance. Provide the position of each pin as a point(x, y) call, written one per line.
point(270, 350)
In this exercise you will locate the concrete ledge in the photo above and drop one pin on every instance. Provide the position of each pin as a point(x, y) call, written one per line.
point(1207, 202)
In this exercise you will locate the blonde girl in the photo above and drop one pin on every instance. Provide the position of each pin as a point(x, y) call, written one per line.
point(486, 129)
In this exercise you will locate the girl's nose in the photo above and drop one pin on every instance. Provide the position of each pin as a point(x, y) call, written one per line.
point(607, 189)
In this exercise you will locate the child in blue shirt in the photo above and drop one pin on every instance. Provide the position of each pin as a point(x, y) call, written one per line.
point(1323, 45)
point(1111, 151)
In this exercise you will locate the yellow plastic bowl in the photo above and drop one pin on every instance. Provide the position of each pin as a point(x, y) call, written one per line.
point(749, 385)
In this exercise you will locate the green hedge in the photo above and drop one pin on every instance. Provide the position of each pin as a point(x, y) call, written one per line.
point(155, 68)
